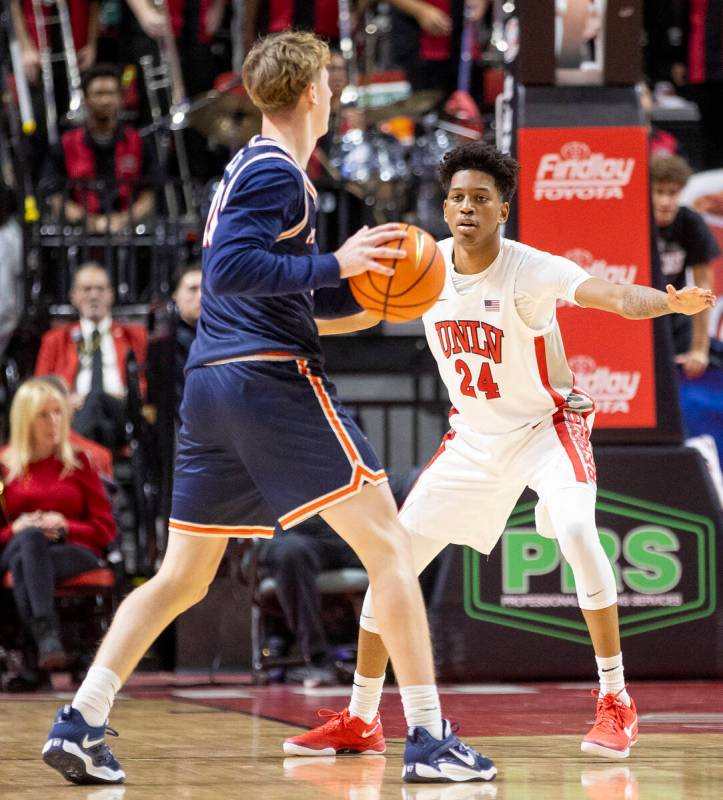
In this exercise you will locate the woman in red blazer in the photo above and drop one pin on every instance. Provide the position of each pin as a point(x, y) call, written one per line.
point(55, 516)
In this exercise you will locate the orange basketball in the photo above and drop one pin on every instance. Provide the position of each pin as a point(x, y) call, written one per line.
point(415, 286)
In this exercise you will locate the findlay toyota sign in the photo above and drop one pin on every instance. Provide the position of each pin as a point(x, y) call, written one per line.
point(584, 194)
point(576, 172)
point(663, 558)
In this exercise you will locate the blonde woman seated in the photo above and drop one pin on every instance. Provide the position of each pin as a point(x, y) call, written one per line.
point(55, 515)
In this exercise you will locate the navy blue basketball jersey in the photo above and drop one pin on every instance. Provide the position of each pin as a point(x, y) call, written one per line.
point(263, 278)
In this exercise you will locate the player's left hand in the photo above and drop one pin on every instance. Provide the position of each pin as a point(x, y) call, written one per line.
point(690, 300)
point(694, 363)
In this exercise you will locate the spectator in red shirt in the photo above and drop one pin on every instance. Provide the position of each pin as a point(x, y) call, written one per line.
point(101, 458)
point(83, 16)
point(427, 40)
point(194, 24)
point(320, 16)
point(57, 519)
point(106, 166)
point(91, 355)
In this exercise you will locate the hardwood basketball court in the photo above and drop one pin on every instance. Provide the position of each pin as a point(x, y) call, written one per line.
point(180, 738)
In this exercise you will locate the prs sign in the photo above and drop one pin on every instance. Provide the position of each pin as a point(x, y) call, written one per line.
point(663, 559)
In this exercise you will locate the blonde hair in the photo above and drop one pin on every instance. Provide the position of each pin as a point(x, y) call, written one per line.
point(28, 402)
point(279, 67)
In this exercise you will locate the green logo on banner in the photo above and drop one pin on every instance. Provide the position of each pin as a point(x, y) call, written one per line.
point(648, 551)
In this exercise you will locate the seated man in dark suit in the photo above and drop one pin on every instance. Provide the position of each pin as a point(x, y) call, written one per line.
point(187, 299)
point(91, 356)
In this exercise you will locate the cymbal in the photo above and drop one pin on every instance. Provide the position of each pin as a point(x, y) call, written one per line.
point(413, 106)
point(232, 132)
point(206, 109)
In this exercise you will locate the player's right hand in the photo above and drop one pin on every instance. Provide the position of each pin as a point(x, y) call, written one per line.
point(689, 300)
point(360, 252)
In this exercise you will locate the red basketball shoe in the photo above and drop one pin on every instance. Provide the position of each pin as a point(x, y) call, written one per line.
point(341, 734)
point(615, 730)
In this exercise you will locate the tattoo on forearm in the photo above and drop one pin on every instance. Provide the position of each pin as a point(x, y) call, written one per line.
point(642, 302)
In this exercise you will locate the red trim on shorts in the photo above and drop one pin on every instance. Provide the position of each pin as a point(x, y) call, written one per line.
point(215, 531)
point(330, 413)
point(360, 472)
point(558, 418)
point(360, 475)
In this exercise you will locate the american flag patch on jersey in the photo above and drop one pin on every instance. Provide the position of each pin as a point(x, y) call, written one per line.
point(492, 305)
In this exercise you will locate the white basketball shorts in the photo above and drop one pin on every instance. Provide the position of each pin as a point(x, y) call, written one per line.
point(468, 490)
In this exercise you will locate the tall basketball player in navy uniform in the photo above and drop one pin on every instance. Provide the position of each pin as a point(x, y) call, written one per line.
point(518, 420)
point(263, 436)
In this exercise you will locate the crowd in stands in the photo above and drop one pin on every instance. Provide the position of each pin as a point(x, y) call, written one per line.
point(106, 176)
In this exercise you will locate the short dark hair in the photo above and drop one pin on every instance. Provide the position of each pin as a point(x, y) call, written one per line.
point(183, 270)
point(99, 71)
point(670, 169)
point(482, 158)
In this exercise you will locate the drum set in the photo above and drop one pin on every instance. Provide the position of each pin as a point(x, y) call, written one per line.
point(394, 159)
point(395, 174)
point(390, 161)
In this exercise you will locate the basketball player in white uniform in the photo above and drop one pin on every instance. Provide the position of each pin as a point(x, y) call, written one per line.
point(518, 420)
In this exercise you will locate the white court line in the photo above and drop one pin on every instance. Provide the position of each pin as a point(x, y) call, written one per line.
point(211, 694)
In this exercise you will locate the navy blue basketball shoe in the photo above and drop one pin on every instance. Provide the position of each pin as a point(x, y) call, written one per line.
point(78, 750)
point(448, 760)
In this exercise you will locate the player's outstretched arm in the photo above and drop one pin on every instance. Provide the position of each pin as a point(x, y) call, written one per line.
point(360, 252)
point(642, 302)
point(350, 324)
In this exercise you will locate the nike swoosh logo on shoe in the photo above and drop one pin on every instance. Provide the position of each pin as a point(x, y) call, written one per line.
point(465, 758)
point(91, 742)
point(629, 732)
point(367, 734)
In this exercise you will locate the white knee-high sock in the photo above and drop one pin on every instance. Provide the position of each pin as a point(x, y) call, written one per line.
point(366, 694)
point(96, 694)
point(422, 708)
point(612, 677)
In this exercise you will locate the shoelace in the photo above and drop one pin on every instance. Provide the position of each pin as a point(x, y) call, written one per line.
point(609, 711)
point(461, 746)
point(331, 716)
point(445, 745)
point(101, 752)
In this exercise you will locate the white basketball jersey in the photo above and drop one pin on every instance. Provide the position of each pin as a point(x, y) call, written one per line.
point(500, 374)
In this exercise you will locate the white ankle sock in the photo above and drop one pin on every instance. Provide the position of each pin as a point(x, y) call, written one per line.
point(366, 694)
point(95, 696)
point(612, 677)
point(421, 708)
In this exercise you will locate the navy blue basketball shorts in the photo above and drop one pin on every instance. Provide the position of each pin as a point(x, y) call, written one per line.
point(262, 441)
